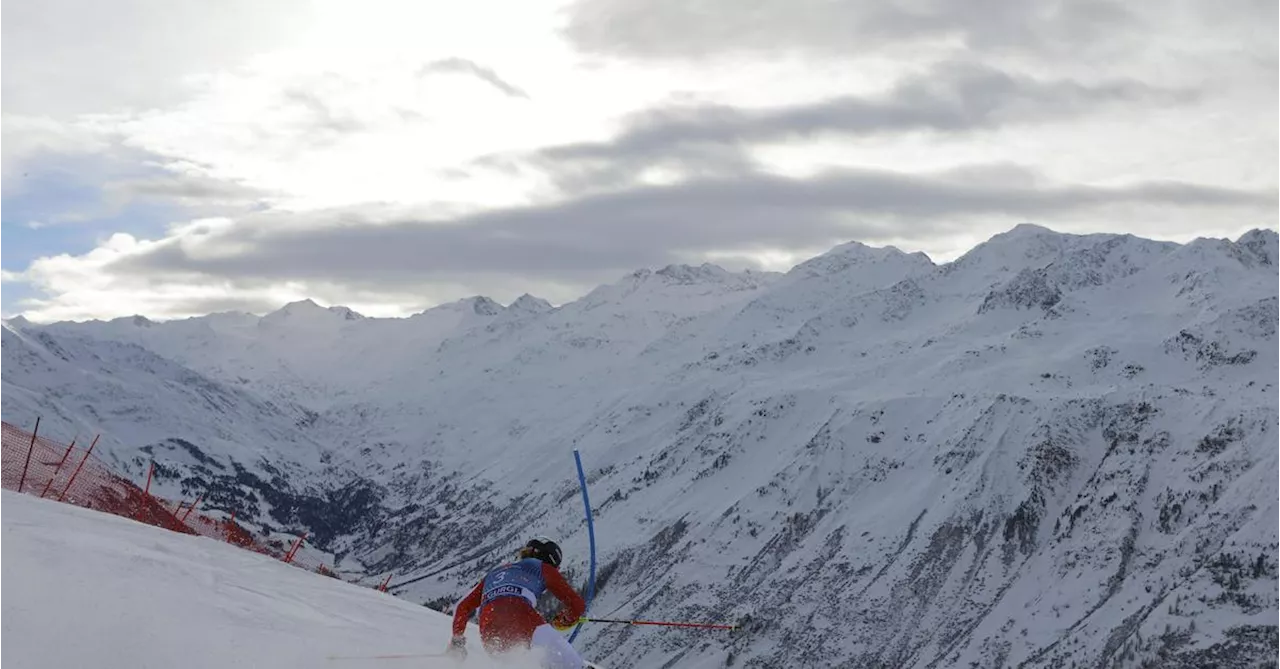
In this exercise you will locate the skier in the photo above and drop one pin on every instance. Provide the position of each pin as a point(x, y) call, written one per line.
point(506, 597)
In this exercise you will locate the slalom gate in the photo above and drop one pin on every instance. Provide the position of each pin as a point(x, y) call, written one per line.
point(73, 474)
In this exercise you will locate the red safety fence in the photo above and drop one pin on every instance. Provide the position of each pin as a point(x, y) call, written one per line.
point(72, 474)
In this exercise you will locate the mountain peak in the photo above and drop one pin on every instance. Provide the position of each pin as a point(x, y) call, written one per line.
point(309, 308)
point(135, 320)
point(298, 306)
point(1262, 243)
point(1024, 245)
point(485, 306)
point(528, 304)
point(1026, 233)
point(476, 304)
point(853, 253)
point(686, 274)
point(1029, 229)
point(681, 274)
point(347, 313)
point(481, 305)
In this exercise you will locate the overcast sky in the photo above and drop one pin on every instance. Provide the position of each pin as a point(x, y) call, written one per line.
point(176, 157)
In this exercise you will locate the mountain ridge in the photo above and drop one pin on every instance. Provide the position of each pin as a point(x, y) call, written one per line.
point(1259, 241)
point(1021, 459)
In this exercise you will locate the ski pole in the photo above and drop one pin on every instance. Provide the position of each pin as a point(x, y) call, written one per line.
point(713, 626)
point(591, 537)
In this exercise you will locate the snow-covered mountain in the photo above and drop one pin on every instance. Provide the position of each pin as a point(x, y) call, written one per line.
point(1055, 450)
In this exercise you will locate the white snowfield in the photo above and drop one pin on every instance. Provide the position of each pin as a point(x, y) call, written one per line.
point(88, 589)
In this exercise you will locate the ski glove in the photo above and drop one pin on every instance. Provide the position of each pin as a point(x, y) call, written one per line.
point(563, 624)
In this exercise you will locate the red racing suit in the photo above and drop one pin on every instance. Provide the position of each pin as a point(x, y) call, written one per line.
point(506, 598)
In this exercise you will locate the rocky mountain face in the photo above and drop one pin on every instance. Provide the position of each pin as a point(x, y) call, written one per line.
point(1056, 451)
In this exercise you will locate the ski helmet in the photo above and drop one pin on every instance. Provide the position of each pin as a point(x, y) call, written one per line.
point(544, 549)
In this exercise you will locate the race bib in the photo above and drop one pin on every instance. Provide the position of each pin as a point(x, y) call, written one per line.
point(509, 591)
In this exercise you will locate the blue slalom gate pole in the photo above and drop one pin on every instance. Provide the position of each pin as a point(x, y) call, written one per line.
point(591, 537)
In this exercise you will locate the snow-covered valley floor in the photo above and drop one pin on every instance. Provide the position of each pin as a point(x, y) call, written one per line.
point(87, 589)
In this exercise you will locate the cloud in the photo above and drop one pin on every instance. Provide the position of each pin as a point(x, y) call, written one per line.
point(200, 194)
point(77, 282)
point(692, 30)
point(588, 237)
point(948, 99)
point(69, 57)
point(356, 254)
point(66, 287)
point(58, 184)
point(235, 113)
point(321, 116)
point(25, 138)
point(321, 135)
point(464, 66)
point(64, 197)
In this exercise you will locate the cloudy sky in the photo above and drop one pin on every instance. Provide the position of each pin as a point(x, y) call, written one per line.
point(179, 157)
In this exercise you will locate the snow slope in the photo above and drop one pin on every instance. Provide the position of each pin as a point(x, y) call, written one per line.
point(1056, 449)
point(86, 589)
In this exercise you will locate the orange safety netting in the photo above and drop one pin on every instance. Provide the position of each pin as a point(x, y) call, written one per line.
point(71, 473)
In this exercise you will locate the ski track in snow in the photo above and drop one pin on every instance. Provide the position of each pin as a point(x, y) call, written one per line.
point(87, 589)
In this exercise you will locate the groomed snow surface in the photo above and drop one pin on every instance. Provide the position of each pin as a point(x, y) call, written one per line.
point(92, 590)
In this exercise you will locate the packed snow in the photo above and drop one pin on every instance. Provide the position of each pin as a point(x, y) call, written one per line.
point(87, 589)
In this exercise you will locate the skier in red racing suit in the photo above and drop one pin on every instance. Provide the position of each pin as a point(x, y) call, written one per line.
point(506, 597)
